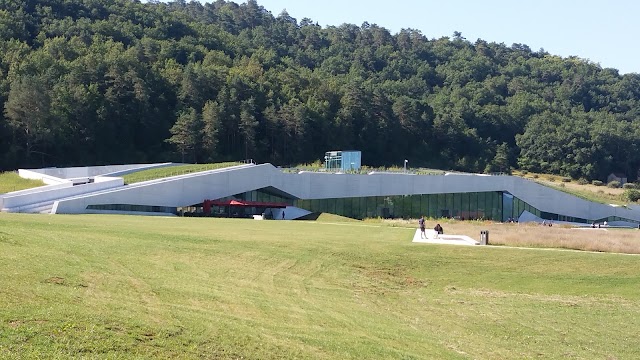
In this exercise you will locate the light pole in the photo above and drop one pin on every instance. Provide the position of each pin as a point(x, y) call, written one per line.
point(405, 165)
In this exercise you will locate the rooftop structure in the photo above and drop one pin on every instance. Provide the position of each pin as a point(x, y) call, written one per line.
point(343, 160)
point(249, 189)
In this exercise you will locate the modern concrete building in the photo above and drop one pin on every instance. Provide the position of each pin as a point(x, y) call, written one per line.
point(249, 189)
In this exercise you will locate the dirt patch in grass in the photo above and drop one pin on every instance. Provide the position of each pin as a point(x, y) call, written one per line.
point(55, 280)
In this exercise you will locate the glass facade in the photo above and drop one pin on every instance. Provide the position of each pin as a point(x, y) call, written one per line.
point(495, 206)
point(263, 195)
point(615, 218)
point(463, 206)
point(133, 208)
point(258, 196)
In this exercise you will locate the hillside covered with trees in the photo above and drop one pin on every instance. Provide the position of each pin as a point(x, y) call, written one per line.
point(88, 82)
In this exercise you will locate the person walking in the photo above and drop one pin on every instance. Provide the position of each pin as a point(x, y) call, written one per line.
point(423, 234)
point(282, 214)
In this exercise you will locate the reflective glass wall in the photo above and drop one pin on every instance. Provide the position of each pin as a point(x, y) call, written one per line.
point(463, 206)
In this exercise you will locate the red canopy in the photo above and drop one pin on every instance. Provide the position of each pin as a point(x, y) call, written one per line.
point(246, 203)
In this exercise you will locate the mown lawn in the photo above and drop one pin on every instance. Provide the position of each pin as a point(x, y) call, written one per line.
point(152, 174)
point(140, 287)
point(11, 181)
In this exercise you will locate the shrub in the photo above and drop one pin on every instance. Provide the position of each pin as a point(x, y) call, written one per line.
point(597, 183)
point(566, 179)
point(614, 184)
point(582, 181)
point(632, 195)
point(535, 176)
point(629, 186)
point(524, 172)
point(551, 178)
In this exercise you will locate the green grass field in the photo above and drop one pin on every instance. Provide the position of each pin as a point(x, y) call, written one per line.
point(122, 287)
point(11, 181)
point(152, 174)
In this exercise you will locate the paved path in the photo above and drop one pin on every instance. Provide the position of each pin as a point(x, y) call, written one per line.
point(444, 239)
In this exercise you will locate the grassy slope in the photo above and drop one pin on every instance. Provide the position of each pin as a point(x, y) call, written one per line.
point(159, 173)
point(11, 181)
point(599, 194)
point(123, 287)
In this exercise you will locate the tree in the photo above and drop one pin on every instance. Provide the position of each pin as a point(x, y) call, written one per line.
point(27, 109)
point(248, 124)
point(185, 132)
point(500, 162)
point(211, 128)
point(107, 80)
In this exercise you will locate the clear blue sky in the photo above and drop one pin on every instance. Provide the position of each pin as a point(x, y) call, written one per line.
point(605, 32)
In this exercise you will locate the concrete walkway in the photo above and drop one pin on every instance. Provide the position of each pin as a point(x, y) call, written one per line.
point(444, 239)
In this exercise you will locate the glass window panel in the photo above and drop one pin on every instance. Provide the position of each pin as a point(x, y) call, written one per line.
point(415, 206)
point(519, 207)
point(433, 206)
point(329, 206)
point(387, 207)
point(464, 206)
point(406, 206)
point(457, 205)
point(372, 207)
point(423, 209)
point(473, 206)
point(482, 205)
point(449, 206)
point(397, 206)
point(424, 205)
point(339, 206)
point(442, 204)
point(348, 207)
point(358, 207)
point(315, 205)
point(496, 208)
point(324, 205)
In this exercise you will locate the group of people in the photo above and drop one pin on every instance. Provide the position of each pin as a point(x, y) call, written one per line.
point(423, 235)
point(594, 225)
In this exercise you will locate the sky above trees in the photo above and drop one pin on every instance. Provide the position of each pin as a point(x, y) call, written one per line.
point(602, 31)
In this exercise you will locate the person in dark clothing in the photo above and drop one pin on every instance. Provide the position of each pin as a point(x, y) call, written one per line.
point(423, 234)
point(282, 214)
point(439, 229)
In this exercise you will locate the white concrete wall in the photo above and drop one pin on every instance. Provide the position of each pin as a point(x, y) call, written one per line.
point(47, 179)
point(14, 203)
point(177, 191)
point(31, 191)
point(91, 171)
point(194, 188)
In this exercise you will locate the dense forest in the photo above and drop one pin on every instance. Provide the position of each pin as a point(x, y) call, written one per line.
point(88, 82)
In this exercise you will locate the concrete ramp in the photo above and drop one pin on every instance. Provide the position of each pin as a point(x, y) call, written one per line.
point(433, 238)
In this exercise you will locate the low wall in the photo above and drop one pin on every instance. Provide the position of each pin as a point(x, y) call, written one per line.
point(91, 171)
point(35, 175)
point(13, 203)
point(40, 189)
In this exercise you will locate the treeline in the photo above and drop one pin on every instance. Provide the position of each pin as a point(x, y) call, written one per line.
point(119, 81)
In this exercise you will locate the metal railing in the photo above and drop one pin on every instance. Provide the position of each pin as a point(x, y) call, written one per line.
point(363, 170)
point(196, 169)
